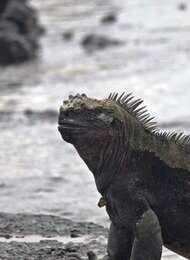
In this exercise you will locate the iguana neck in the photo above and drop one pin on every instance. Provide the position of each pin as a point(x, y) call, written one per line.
point(113, 165)
point(104, 159)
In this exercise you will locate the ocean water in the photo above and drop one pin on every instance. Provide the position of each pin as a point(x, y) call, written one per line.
point(39, 173)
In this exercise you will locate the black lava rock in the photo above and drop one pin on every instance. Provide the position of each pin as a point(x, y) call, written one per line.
point(6, 26)
point(67, 35)
point(3, 4)
point(14, 48)
point(109, 18)
point(97, 42)
point(23, 16)
point(182, 6)
point(19, 32)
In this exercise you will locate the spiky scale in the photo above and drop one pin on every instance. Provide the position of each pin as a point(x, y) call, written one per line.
point(120, 97)
point(178, 137)
point(136, 104)
point(144, 118)
point(137, 111)
point(126, 98)
point(148, 119)
point(141, 113)
point(110, 95)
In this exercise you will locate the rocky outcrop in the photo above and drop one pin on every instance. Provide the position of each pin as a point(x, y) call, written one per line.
point(19, 32)
point(24, 236)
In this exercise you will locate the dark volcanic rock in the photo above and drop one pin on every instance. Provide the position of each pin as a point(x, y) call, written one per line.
point(182, 6)
point(51, 229)
point(6, 27)
point(97, 42)
point(109, 18)
point(3, 4)
point(14, 48)
point(19, 32)
point(23, 16)
point(67, 35)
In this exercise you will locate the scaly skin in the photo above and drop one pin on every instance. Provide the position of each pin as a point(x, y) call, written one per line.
point(142, 175)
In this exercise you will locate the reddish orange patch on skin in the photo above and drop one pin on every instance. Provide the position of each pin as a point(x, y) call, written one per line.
point(101, 202)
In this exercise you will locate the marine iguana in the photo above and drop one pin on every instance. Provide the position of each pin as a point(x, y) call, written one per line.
point(142, 174)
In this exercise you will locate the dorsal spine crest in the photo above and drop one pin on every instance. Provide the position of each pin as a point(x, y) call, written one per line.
point(143, 118)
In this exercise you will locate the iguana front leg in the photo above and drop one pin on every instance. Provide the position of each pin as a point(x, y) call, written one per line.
point(120, 243)
point(145, 245)
point(148, 239)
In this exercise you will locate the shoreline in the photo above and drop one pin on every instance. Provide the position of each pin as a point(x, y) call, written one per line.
point(27, 236)
point(30, 236)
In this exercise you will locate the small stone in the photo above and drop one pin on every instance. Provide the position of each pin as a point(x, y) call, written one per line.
point(97, 42)
point(109, 18)
point(7, 236)
point(74, 233)
point(91, 255)
point(68, 35)
point(182, 6)
point(70, 247)
point(73, 256)
point(28, 112)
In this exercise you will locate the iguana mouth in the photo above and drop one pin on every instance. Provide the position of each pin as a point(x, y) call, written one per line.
point(70, 124)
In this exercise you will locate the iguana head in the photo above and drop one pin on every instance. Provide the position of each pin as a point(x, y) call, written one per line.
point(83, 118)
point(91, 125)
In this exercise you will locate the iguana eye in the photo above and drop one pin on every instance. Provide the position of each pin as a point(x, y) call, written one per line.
point(105, 117)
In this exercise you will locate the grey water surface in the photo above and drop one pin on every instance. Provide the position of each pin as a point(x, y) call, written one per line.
point(39, 173)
